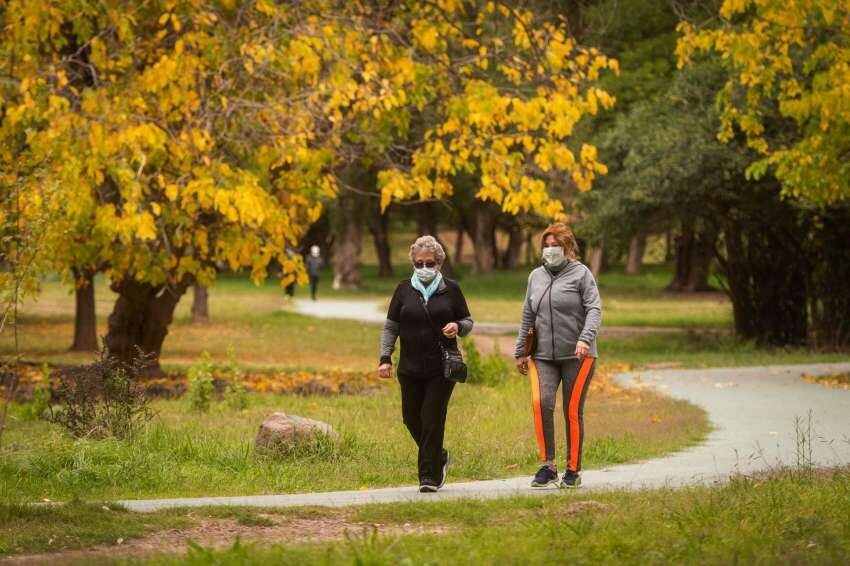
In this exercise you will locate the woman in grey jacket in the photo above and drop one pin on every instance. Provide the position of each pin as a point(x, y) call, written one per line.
point(563, 307)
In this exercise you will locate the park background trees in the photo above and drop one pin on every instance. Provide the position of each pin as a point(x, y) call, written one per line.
point(176, 138)
point(159, 144)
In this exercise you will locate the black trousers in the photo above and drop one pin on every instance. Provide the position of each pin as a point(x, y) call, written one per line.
point(314, 286)
point(424, 404)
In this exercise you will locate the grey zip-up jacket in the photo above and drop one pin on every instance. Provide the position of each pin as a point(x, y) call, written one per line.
point(567, 308)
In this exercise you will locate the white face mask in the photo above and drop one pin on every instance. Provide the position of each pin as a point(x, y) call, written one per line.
point(553, 256)
point(425, 274)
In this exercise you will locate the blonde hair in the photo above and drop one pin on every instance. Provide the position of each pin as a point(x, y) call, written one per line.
point(428, 244)
point(565, 238)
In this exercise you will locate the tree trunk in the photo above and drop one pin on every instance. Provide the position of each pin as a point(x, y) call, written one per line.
point(200, 304)
point(426, 223)
point(669, 252)
point(140, 320)
point(347, 257)
point(378, 226)
point(513, 255)
point(763, 263)
point(349, 241)
point(683, 245)
point(828, 255)
point(461, 234)
point(693, 254)
point(532, 256)
point(85, 319)
point(637, 246)
point(595, 258)
point(483, 232)
point(701, 255)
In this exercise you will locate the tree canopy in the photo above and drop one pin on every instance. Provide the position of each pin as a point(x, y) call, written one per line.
point(788, 90)
point(167, 138)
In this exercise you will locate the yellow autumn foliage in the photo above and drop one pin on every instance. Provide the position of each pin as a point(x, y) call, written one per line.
point(791, 58)
point(169, 137)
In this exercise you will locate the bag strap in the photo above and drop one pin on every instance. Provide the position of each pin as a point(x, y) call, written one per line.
point(542, 295)
point(430, 320)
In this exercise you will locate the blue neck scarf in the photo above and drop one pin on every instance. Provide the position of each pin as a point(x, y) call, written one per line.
point(428, 291)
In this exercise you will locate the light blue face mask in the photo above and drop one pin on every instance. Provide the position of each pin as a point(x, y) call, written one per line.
point(425, 274)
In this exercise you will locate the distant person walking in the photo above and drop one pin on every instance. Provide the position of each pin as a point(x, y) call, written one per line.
point(290, 289)
point(425, 393)
point(314, 264)
point(557, 344)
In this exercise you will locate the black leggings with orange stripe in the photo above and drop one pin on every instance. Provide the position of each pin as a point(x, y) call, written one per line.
point(546, 376)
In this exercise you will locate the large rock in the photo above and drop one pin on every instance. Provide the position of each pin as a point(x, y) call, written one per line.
point(280, 432)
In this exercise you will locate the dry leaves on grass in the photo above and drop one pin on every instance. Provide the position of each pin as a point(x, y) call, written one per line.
point(837, 380)
point(603, 381)
point(173, 384)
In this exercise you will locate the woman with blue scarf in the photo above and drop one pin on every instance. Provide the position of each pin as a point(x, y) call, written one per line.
point(425, 309)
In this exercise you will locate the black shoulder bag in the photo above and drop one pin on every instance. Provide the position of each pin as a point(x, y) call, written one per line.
point(454, 368)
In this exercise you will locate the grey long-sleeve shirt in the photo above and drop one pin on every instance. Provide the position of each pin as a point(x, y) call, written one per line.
point(392, 328)
point(567, 307)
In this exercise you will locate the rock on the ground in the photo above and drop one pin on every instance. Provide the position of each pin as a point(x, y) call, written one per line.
point(282, 432)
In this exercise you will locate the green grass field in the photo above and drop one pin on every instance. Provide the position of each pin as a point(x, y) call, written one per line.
point(791, 518)
point(184, 454)
point(254, 322)
point(794, 516)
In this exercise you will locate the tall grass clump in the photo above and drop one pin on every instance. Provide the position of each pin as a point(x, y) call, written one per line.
point(201, 386)
point(491, 370)
point(235, 394)
point(39, 407)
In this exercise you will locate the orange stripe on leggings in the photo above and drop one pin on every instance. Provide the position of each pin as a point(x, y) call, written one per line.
point(575, 401)
point(534, 377)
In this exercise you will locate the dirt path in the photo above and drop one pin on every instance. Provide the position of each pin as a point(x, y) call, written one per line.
point(223, 533)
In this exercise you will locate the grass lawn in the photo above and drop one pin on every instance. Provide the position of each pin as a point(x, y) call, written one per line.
point(183, 454)
point(626, 300)
point(285, 340)
point(253, 321)
point(790, 516)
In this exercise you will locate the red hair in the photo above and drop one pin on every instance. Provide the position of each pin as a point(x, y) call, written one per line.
point(565, 238)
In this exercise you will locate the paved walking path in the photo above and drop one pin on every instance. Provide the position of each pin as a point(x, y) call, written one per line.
point(760, 415)
point(373, 311)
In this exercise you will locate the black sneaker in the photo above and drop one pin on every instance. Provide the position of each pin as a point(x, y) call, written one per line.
point(570, 480)
point(427, 486)
point(445, 468)
point(545, 476)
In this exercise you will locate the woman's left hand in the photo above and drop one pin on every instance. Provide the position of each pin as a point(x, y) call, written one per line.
point(450, 330)
point(582, 349)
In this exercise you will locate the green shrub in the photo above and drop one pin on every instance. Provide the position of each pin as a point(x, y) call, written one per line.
point(496, 369)
point(38, 407)
point(235, 394)
point(201, 386)
point(102, 399)
point(490, 370)
point(472, 357)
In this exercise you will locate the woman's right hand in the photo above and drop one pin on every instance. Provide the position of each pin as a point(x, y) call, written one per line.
point(385, 371)
point(522, 364)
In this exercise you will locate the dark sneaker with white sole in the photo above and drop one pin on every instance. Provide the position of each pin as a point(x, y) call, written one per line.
point(445, 469)
point(545, 476)
point(570, 480)
point(427, 486)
